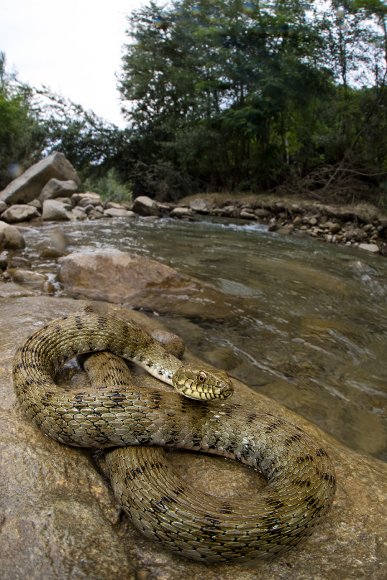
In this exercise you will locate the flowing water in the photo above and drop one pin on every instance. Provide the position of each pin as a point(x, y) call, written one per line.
point(307, 322)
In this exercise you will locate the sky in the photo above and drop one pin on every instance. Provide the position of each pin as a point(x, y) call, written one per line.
point(73, 47)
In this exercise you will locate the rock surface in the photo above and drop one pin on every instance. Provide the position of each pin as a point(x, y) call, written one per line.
point(10, 237)
point(58, 188)
point(141, 282)
point(145, 206)
point(59, 519)
point(30, 184)
point(20, 213)
point(54, 210)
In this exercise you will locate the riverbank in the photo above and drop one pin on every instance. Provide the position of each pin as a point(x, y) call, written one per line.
point(359, 225)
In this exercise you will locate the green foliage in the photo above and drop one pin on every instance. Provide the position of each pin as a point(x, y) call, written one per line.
point(109, 187)
point(91, 144)
point(237, 94)
point(21, 136)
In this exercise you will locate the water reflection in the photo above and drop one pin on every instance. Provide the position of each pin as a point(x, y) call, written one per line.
point(309, 327)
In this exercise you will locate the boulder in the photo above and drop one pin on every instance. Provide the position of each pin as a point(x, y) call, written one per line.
point(29, 185)
point(145, 206)
point(85, 199)
point(58, 188)
point(3, 206)
point(60, 520)
point(54, 210)
point(20, 213)
point(118, 212)
point(10, 237)
point(374, 248)
point(181, 212)
point(27, 277)
point(142, 283)
point(199, 205)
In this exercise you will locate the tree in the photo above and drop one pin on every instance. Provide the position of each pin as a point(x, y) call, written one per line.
point(21, 136)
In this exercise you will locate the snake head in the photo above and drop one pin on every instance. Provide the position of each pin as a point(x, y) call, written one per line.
point(202, 384)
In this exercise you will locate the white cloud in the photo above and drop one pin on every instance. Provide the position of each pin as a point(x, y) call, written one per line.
point(73, 47)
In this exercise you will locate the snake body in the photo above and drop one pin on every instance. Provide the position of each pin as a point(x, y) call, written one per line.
point(299, 473)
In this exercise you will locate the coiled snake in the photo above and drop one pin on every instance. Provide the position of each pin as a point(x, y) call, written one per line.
point(299, 473)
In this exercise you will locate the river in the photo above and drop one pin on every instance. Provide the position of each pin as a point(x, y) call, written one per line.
point(310, 325)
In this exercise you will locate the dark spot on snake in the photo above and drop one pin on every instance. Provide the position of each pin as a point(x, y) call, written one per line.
point(275, 503)
point(178, 491)
point(155, 397)
point(302, 482)
point(311, 501)
point(304, 458)
point(133, 472)
point(251, 418)
point(226, 508)
point(270, 428)
point(101, 321)
point(292, 439)
point(162, 504)
point(117, 397)
point(328, 477)
point(321, 453)
point(78, 322)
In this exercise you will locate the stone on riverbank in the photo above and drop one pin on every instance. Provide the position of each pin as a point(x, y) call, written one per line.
point(140, 282)
point(59, 519)
point(58, 188)
point(10, 237)
point(54, 210)
point(30, 184)
point(19, 213)
point(145, 206)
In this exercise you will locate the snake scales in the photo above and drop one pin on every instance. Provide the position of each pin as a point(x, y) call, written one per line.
point(300, 478)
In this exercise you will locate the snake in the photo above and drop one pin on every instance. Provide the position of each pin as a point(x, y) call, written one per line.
point(199, 414)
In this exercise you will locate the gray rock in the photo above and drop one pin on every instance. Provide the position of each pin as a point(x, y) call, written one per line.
point(58, 188)
point(374, 248)
point(85, 199)
point(145, 206)
point(115, 205)
point(199, 205)
point(247, 214)
point(262, 213)
point(333, 227)
point(30, 184)
point(79, 213)
point(3, 260)
point(3, 206)
point(181, 212)
point(118, 212)
point(35, 203)
point(27, 277)
point(20, 213)
point(10, 237)
point(59, 518)
point(54, 210)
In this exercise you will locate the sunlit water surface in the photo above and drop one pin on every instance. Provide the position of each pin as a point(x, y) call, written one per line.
point(310, 325)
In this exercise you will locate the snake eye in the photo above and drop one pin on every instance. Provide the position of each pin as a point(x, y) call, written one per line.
point(202, 377)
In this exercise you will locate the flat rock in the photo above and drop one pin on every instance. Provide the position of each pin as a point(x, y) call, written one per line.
point(20, 213)
point(140, 282)
point(59, 519)
point(118, 212)
point(29, 185)
point(374, 248)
